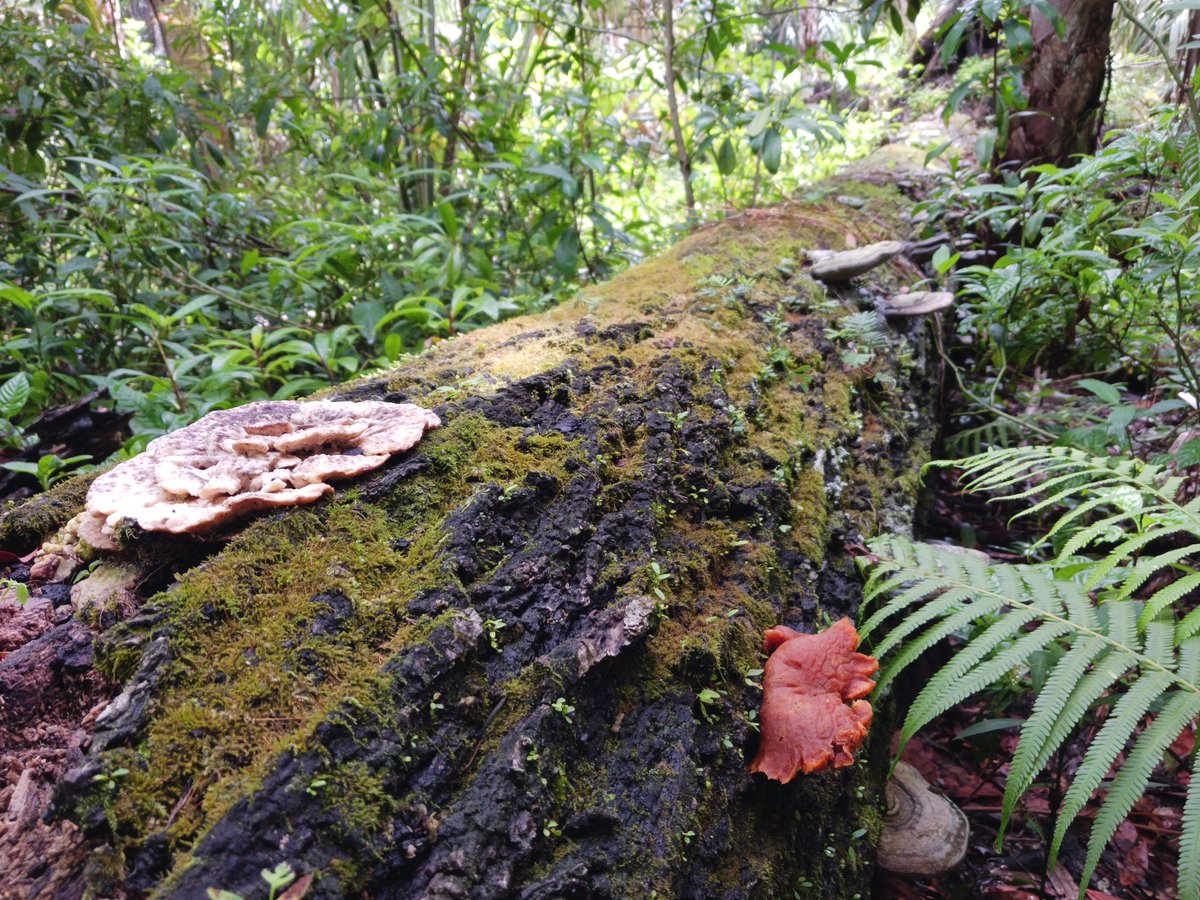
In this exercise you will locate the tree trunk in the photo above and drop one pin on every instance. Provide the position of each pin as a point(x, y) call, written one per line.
point(1064, 81)
point(523, 659)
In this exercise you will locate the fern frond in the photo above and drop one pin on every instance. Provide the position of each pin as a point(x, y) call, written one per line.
point(963, 678)
point(1131, 782)
point(1103, 751)
point(1189, 841)
point(1060, 704)
point(1142, 658)
point(1169, 596)
point(984, 606)
point(1026, 610)
point(1127, 548)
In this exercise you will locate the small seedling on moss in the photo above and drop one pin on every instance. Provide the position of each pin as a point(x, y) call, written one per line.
point(277, 878)
point(551, 829)
point(659, 577)
point(752, 676)
point(493, 627)
point(708, 700)
point(676, 419)
point(314, 786)
point(563, 708)
point(108, 780)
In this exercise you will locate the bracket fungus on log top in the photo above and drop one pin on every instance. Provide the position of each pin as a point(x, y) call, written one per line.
point(806, 724)
point(233, 462)
point(917, 303)
point(839, 266)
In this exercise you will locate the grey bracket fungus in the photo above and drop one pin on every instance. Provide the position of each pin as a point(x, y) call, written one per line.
point(917, 303)
point(924, 833)
point(234, 462)
point(836, 267)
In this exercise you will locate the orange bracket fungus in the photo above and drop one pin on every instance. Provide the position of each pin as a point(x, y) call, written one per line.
point(806, 724)
point(237, 461)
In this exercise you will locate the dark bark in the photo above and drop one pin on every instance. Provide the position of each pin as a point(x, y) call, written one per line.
point(928, 52)
point(1064, 81)
point(519, 661)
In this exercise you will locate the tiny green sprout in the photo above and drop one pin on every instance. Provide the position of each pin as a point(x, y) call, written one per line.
point(219, 894)
point(659, 577)
point(858, 834)
point(784, 529)
point(277, 878)
point(708, 700)
point(86, 571)
point(734, 613)
point(687, 836)
point(108, 780)
point(752, 676)
point(434, 706)
point(493, 627)
point(563, 708)
point(314, 786)
point(830, 852)
point(551, 829)
point(676, 419)
point(741, 543)
point(20, 589)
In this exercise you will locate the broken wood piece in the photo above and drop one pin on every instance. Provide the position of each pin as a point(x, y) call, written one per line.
point(847, 264)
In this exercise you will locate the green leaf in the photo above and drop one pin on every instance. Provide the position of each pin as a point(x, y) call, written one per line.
point(1103, 390)
point(726, 157)
point(772, 153)
point(759, 122)
point(14, 394)
point(566, 252)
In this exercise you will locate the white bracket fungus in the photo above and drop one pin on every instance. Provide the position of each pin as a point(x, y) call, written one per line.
point(237, 461)
point(835, 267)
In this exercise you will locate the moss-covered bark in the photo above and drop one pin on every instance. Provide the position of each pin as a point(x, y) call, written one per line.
point(521, 660)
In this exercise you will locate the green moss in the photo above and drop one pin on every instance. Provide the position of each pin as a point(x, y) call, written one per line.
point(27, 524)
point(253, 674)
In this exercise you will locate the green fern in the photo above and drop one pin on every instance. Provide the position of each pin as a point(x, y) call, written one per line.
point(1140, 655)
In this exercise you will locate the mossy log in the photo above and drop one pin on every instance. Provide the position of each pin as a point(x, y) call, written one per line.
point(522, 660)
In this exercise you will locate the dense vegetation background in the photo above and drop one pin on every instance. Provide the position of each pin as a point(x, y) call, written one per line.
point(204, 203)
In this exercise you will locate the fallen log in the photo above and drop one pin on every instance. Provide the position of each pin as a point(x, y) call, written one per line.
point(523, 659)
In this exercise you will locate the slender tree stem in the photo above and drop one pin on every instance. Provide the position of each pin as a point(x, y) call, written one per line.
point(681, 151)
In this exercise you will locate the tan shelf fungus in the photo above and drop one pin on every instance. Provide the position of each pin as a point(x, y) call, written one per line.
point(234, 462)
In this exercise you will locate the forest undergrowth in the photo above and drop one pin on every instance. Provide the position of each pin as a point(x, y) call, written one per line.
point(238, 201)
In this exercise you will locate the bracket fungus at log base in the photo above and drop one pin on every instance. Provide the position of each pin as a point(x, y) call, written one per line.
point(234, 462)
point(809, 678)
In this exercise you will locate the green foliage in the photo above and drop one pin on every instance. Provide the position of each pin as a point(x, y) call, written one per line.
point(1109, 620)
point(1095, 271)
point(294, 195)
